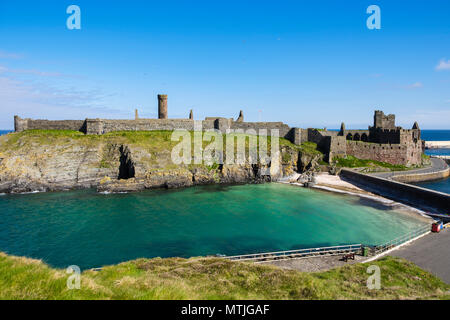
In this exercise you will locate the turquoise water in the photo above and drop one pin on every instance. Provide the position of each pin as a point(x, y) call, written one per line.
point(90, 229)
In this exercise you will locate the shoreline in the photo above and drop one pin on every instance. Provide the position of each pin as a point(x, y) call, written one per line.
point(334, 184)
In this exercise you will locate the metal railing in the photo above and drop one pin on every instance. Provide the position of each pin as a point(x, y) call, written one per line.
point(399, 240)
point(297, 254)
point(329, 251)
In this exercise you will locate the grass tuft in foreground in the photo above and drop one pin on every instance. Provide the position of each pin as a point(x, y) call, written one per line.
point(214, 278)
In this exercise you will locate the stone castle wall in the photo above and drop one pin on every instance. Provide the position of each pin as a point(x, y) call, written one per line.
point(29, 124)
point(387, 143)
point(329, 142)
point(400, 154)
point(284, 129)
point(338, 147)
point(102, 126)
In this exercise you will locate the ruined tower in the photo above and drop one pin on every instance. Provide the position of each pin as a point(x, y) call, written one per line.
point(380, 120)
point(241, 117)
point(342, 131)
point(162, 106)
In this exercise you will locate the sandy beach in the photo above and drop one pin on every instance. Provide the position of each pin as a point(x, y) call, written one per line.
point(332, 183)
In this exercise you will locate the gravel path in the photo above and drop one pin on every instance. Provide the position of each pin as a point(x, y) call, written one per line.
point(315, 264)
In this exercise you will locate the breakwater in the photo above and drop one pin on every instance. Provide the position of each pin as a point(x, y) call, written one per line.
point(437, 144)
point(428, 200)
point(422, 176)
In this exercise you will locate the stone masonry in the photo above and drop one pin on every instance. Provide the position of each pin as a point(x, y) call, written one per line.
point(383, 141)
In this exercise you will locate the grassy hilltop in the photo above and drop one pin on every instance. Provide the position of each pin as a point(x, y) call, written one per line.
point(214, 278)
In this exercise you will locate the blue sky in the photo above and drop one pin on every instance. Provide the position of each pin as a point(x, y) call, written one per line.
point(309, 64)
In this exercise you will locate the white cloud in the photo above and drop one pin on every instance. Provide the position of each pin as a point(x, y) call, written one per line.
point(9, 55)
point(443, 65)
point(33, 72)
point(51, 99)
point(429, 119)
point(415, 85)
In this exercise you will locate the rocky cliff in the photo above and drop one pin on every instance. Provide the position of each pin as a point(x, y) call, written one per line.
point(121, 161)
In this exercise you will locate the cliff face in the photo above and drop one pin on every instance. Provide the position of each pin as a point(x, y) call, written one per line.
point(62, 160)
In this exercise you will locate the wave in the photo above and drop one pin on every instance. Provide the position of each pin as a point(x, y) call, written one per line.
point(109, 192)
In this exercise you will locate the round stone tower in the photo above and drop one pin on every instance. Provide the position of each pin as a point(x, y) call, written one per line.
point(162, 106)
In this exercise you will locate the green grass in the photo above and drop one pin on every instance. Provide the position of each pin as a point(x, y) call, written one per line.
point(353, 162)
point(151, 141)
point(214, 278)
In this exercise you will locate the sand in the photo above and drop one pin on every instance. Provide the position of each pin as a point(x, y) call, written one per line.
point(332, 183)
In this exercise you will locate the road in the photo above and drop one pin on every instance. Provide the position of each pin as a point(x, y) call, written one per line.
point(431, 252)
point(436, 165)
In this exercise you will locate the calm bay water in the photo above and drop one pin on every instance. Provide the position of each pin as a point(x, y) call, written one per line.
point(442, 185)
point(2, 132)
point(90, 229)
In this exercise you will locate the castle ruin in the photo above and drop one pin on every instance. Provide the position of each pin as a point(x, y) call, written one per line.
point(384, 141)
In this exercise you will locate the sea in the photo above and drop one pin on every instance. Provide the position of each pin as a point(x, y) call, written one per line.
point(2, 132)
point(89, 229)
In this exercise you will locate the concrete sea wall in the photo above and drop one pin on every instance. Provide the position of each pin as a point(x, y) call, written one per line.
point(425, 199)
point(419, 177)
point(437, 144)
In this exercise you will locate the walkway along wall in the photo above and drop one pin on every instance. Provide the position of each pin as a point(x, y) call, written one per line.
point(419, 177)
point(425, 199)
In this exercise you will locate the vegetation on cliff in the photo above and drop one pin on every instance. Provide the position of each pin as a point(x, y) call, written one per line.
point(59, 159)
point(214, 278)
point(369, 165)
